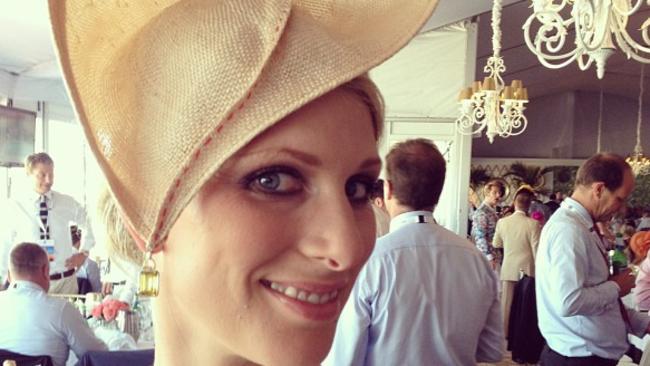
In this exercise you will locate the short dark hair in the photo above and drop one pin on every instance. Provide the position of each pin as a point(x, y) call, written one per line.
point(377, 190)
point(604, 167)
point(523, 199)
point(416, 171)
point(496, 183)
point(37, 158)
point(27, 258)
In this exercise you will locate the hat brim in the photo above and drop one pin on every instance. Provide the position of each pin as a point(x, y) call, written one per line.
point(166, 91)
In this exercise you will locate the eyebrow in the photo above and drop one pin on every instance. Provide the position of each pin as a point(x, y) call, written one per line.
point(314, 160)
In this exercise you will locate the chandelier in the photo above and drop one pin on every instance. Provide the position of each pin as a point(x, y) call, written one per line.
point(596, 24)
point(640, 163)
point(493, 106)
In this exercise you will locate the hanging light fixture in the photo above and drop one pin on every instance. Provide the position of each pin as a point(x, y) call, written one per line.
point(493, 106)
point(597, 23)
point(599, 134)
point(640, 163)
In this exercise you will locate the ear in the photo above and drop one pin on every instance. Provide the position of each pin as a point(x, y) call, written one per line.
point(598, 188)
point(45, 271)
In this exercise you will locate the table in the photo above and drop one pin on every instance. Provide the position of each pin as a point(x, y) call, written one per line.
point(117, 358)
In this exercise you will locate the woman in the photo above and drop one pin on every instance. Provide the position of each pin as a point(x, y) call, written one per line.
point(214, 123)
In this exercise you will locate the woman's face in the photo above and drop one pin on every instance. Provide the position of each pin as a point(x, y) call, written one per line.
point(261, 262)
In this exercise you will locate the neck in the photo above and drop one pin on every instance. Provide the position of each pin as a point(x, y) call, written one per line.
point(583, 198)
point(176, 344)
point(491, 204)
point(397, 209)
point(33, 280)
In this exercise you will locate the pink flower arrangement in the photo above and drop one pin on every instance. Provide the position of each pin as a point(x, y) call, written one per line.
point(108, 309)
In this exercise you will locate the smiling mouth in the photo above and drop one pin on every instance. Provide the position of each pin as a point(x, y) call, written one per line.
point(302, 295)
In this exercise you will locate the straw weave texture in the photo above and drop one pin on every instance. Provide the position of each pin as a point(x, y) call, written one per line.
point(168, 90)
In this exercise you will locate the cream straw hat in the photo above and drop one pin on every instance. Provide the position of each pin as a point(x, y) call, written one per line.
point(167, 90)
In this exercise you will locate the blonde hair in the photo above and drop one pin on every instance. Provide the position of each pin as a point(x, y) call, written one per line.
point(38, 158)
point(367, 90)
point(119, 243)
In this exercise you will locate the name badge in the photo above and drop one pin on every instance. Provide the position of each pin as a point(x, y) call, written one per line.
point(48, 246)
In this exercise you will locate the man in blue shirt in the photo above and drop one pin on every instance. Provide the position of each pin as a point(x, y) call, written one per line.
point(578, 303)
point(426, 296)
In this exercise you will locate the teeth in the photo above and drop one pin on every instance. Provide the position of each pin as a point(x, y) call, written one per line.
point(314, 299)
point(302, 295)
point(291, 292)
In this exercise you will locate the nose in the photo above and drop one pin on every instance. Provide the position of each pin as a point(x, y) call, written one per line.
point(339, 236)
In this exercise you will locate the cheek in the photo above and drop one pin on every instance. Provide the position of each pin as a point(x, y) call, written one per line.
point(367, 229)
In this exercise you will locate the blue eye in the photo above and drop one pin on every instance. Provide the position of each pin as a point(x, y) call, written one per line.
point(358, 189)
point(274, 181)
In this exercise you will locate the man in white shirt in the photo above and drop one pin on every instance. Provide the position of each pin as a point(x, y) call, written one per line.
point(43, 216)
point(578, 302)
point(34, 323)
point(426, 296)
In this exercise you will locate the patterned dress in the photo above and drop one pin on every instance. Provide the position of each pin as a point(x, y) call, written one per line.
point(484, 223)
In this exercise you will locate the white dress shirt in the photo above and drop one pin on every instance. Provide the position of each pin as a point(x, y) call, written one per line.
point(33, 323)
point(577, 307)
point(425, 297)
point(20, 223)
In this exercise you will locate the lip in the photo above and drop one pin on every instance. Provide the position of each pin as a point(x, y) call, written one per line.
point(327, 312)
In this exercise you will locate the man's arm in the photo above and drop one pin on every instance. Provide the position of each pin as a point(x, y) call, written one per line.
point(87, 237)
point(638, 322)
point(79, 336)
point(569, 264)
point(351, 338)
point(498, 237)
point(480, 234)
point(490, 342)
point(534, 239)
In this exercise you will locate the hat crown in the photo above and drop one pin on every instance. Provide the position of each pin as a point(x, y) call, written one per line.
point(167, 90)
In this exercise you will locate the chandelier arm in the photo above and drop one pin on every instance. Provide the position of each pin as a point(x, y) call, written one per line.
point(591, 24)
point(557, 27)
point(631, 47)
point(626, 12)
point(582, 64)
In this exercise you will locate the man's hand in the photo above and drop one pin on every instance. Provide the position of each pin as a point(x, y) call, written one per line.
point(625, 281)
point(76, 260)
point(107, 288)
point(493, 262)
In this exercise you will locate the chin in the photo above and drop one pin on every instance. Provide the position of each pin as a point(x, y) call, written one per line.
point(304, 348)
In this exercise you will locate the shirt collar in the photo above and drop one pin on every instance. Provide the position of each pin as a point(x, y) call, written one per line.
point(22, 284)
point(37, 196)
point(488, 207)
point(582, 213)
point(521, 211)
point(411, 217)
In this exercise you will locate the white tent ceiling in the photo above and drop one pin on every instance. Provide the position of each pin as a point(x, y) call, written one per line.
point(28, 69)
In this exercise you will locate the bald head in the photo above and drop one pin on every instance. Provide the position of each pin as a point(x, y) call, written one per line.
point(29, 262)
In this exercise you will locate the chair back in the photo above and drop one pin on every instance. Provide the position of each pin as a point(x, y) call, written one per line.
point(24, 360)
